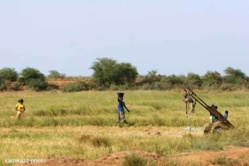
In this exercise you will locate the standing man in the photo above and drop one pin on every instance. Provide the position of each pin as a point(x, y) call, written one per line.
point(121, 106)
point(20, 108)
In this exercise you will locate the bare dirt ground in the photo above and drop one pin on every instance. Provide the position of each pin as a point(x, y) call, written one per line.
point(232, 156)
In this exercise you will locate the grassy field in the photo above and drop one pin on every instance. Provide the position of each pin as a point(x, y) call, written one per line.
point(83, 125)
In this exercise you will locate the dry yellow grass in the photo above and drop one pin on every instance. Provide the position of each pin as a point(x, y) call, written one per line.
point(157, 123)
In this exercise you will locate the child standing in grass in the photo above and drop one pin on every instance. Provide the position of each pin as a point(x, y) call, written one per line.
point(20, 108)
point(226, 114)
point(121, 106)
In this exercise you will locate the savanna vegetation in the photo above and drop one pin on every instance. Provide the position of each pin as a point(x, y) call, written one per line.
point(83, 124)
point(108, 74)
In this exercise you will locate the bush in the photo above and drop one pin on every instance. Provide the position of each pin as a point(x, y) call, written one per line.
point(227, 87)
point(37, 85)
point(8, 85)
point(33, 78)
point(2, 86)
point(84, 138)
point(52, 87)
point(55, 75)
point(134, 160)
point(100, 141)
point(97, 141)
point(29, 74)
point(16, 86)
point(8, 74)
point(225, 161)
point(75, 87)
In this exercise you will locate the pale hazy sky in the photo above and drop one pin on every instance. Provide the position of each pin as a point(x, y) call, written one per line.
point(169, 36)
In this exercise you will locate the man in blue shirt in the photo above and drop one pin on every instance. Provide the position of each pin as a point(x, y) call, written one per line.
point(121, 106)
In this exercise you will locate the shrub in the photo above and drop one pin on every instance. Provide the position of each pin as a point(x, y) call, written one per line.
point(8, 74)
point(227, 87)
point(37, 85)
point(134, 160)
point(75, 87)
point(8, 85)
point(34, 79)
point(97, 141)
point(55, 75)
point(16, 86)
point(2, 86)
point(52, 87)
point(31, 74)
point(225, 161)
point(100, 141)
point(84, 138)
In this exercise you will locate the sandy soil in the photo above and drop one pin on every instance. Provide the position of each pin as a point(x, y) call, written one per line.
point(230, 156)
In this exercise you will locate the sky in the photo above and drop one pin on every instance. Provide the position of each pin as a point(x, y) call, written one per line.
point(168, 36)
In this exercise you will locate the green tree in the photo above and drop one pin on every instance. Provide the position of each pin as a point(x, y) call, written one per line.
point(33, 78)
point(175, 81)
point(53, 74)
point(107, 71)
point(8, 74)
point(212, 79)
point(152, 77)
point(194, 80)
point(124, 73)
point(234, 76)
point(103, 71)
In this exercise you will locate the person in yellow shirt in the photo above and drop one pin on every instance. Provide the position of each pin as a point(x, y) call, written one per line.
point(20, 108)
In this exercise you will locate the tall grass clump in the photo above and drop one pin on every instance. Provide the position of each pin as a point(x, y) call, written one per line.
point(157, 120)
point(84, 138)
point(134, 160)
point(237, 137)
point(96, 141)
point(226, 161)
point(100, 141)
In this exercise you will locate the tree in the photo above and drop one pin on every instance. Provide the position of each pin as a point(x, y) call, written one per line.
point(175, 81)
point(212, 79)
point(8, 74)
point(234, 76)
point(194, 80)
point(53, 74)
point(33, 78)
point(152, 77)
point(103, 71)
point(124, 73)
point(108, 71)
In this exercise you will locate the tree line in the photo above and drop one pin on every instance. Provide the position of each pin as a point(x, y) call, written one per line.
point(108, 74)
